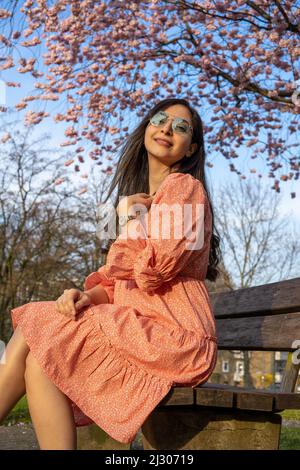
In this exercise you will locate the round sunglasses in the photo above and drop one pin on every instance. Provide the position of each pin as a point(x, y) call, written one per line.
point(179, 125)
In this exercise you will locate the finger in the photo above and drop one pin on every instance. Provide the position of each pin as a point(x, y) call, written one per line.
point(70, 307)
point(80, 304)
point(83, 302)
point(66, 308)
point(69, 314)
point(58, 306)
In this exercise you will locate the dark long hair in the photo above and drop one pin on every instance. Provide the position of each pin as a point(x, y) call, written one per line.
point(132, 172)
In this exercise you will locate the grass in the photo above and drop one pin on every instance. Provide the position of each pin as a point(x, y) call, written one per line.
point(19, 413)
point(290, 436)
point(291, 414)
point(289, 439)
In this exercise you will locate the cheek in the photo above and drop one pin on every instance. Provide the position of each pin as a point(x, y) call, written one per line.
point(184, 145)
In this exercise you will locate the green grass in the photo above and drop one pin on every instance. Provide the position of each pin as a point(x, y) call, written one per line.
point(19, 413)
point(289, 439)
point(291, 414)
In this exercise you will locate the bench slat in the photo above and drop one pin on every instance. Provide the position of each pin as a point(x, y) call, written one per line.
point(254, 401)
point(259, 333)
point(243, 399)
point(178, 396)
point(270, 299)
point(226, 396)
point(287, 401)
point(214, 397)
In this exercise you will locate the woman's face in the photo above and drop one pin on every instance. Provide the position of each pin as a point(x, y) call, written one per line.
point(165, 145)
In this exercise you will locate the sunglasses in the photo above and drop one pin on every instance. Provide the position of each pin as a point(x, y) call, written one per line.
point(179, 125)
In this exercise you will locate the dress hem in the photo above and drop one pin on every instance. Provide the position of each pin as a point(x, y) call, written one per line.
point(73, 397)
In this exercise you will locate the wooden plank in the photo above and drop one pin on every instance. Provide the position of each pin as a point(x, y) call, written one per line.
point(178, 396)
point(214, 397)
point(270, 299)
point(260, 401)
point(249, 398)
point(287, 401)
point(259, 333)
point(227, 396)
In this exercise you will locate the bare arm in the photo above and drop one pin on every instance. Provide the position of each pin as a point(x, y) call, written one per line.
point(97, 295)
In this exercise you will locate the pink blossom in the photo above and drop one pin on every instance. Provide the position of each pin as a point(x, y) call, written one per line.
point(49, 97)
point(21, 105)
point(114, 61)
point(82, 191)
point(32, 117)
point(59, 181)
point(8, 64)
point(4, 13)
point(68, 162)
point(13, 84)
point(5, 137)
point(32, 42)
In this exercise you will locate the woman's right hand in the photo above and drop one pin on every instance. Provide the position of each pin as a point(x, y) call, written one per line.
point(71, 302)
point(128, 201)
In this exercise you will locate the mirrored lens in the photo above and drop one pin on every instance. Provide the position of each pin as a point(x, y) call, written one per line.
point(159, 119)
point(178, 125)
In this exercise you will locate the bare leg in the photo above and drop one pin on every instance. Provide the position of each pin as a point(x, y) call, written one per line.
point(50, 410)
point(12, 385)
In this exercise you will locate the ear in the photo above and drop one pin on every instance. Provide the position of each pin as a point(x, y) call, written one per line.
point(191, 150)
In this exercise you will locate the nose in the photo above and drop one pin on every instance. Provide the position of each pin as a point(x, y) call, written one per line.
point(167, 128)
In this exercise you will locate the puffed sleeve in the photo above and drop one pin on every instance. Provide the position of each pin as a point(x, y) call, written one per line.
point(160, 243)
point(100, 277)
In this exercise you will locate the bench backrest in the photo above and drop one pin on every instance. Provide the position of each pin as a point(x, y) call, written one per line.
point(261, 318)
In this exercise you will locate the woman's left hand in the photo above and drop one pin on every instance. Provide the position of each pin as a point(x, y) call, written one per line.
point(127, 202)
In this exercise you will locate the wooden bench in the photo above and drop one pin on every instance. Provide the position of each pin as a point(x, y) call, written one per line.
point(213, 416)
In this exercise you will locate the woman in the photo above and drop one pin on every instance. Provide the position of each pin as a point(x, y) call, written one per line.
point(144, 323)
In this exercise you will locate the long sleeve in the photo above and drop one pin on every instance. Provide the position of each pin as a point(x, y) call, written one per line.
point(100, 277)
point(160, 243)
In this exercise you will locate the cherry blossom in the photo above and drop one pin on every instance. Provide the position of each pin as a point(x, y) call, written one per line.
point(236, 61)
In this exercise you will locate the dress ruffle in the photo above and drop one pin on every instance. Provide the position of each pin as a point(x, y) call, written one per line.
point(87, 367)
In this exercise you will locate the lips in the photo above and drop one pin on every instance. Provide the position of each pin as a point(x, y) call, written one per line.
point(163, 142)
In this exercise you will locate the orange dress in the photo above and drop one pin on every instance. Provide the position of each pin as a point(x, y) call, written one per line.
point(118, 360)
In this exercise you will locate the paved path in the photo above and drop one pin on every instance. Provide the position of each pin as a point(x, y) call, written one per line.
point(21, 436)
point(18, 437)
